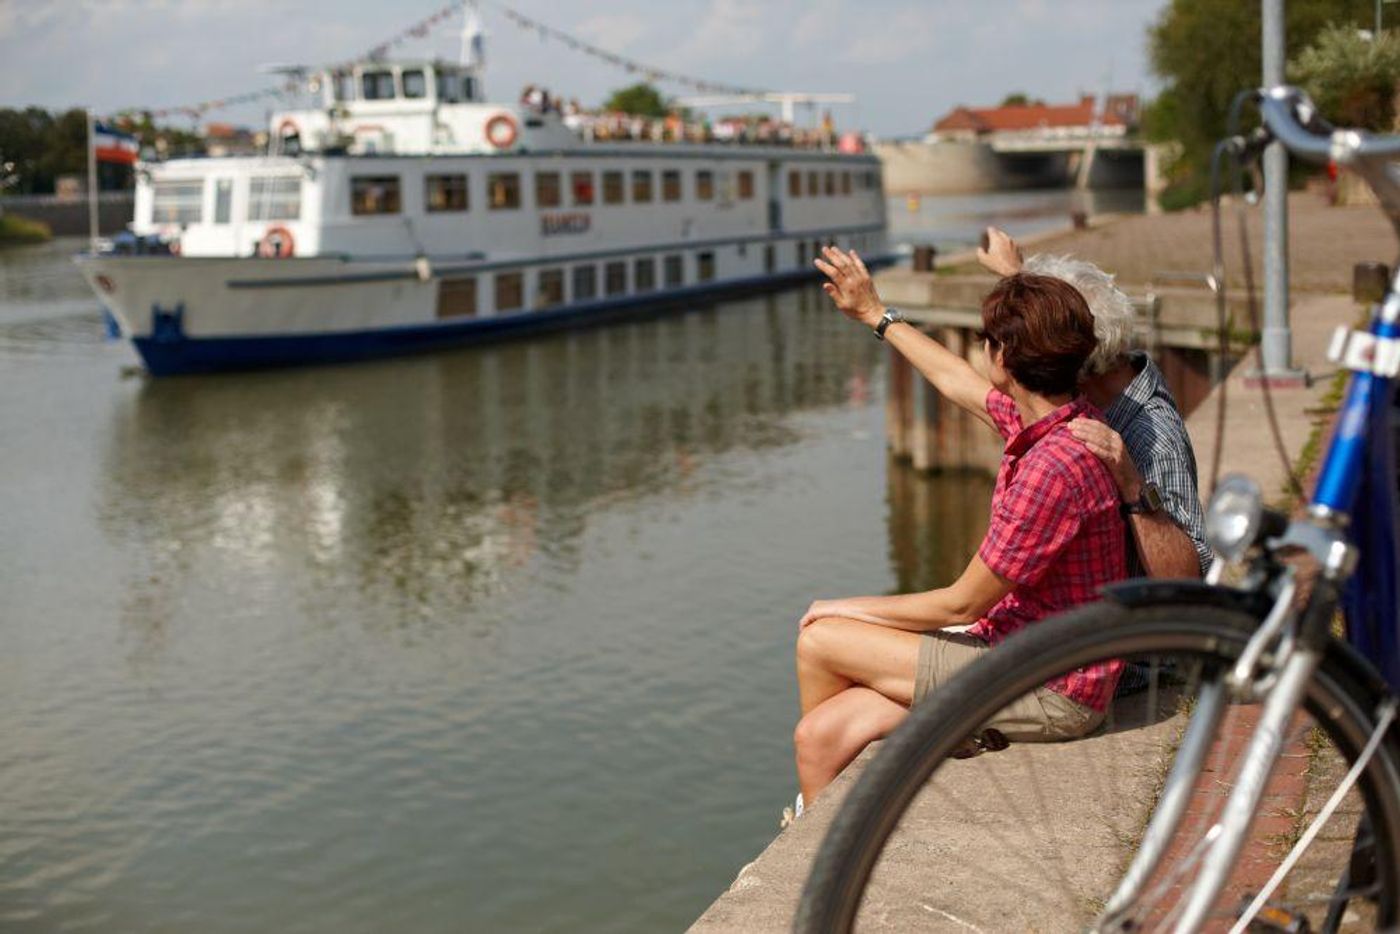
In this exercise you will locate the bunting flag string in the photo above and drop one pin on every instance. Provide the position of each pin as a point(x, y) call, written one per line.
point(422, 29)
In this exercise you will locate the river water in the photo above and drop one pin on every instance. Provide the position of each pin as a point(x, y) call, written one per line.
point(495, 639)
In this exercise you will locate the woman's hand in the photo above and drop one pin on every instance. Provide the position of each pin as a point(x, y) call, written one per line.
point(826, 609)
point(1002, 255)
point(850, 286)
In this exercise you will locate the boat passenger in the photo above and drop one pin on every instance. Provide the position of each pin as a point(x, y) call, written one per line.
point(1054, 538)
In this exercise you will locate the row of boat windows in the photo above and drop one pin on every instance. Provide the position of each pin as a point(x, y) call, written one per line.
point(830, 183)
point(457, 296)
point(380, 194)
point(278, 198)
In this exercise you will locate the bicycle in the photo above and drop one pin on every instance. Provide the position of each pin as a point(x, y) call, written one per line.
point(1155, 819)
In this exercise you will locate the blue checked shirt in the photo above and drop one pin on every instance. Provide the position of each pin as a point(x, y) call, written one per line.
point(1145, 415)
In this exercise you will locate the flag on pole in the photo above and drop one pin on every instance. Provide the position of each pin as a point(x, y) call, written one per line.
point(111, 145)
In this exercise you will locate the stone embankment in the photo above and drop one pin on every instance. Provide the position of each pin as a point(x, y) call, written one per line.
point(1326, 243)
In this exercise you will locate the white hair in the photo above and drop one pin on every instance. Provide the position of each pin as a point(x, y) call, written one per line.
point(1113, 312)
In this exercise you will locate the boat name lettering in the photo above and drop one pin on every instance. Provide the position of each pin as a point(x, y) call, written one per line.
point(553, 225)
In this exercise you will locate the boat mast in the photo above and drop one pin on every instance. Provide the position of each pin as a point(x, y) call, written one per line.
point(473, 57)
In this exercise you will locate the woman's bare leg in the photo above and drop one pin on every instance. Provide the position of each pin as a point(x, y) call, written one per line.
point(831, 735)
point(835, 654)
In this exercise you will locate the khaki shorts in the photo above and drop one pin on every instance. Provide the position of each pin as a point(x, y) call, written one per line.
point(1039, 715)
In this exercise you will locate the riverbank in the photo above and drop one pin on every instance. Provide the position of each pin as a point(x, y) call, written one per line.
point(16, 231)
point(765, 893)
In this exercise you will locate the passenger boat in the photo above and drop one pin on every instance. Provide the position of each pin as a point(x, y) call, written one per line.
point(406, 212)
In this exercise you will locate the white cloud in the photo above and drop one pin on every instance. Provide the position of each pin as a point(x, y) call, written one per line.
point(615, 32)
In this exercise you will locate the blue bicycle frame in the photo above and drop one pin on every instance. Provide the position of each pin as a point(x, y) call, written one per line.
point(1358, 481)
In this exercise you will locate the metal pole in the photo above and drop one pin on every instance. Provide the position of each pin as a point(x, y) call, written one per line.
point(1277, 340)
point(91, 184)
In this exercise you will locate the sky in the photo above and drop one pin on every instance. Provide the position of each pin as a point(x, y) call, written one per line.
point(907, 61)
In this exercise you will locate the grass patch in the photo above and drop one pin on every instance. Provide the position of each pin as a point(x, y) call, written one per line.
point(15, 230)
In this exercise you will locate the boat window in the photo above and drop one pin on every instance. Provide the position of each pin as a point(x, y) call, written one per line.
point(705, 185)
point(457, 298)
point(177, 202)
point(223, 200)
point(612, 187)
point(415, 84)
point(445, 192)
point(641, 186)
point(510, 291)
point(547, 194)
point(377, 86)
point(671, 185)
point(504, 190)
point(830, 184)
point(674, 269)
point(770, 258)
point(343, 85)
point(814, 183)
point(274, 198)
point(549, 290)
point(746, 185)
point(468, 88)
point(846, 182)
point(585, 283)
point(374, 194)
point(794, 184)
point(615, 278)
point(644, 274)
point(582, 184)
point(705, 266)
point(447, 87)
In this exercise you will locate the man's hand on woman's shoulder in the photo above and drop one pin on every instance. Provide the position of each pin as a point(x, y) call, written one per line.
point(1107, 445)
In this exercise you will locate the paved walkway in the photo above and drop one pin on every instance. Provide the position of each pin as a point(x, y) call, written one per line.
point(1327, 241)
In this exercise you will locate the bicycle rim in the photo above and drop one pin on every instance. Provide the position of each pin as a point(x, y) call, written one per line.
point(1038, 836)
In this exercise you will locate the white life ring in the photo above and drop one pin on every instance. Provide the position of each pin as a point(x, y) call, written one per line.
point(501, 131)
point(277, 243)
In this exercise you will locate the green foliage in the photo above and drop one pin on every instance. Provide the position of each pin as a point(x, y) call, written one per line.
point(640, 100)
point(1205, 52)
point(15, 230)
point(44, 145)
point(1351, 77)
point(1020, 99)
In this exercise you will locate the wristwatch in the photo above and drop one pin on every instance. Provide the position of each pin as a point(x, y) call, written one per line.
point(1149, 501)
point(891, 316)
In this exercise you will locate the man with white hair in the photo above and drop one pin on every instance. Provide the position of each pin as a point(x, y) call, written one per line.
point(1142, 439)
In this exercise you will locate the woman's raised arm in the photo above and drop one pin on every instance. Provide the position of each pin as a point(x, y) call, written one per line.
point(853, 291)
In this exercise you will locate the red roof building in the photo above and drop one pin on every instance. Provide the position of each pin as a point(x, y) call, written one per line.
point(1120, 110)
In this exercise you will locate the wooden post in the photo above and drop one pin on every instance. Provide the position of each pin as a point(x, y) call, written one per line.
point(897, 404)
point(924, 421)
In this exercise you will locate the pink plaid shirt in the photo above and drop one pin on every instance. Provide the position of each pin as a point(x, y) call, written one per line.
point(1055, 533)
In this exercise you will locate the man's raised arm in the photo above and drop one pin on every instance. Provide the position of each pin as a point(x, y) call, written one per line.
point(853, 291)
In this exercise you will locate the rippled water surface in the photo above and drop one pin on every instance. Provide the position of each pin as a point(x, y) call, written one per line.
point(493, 639)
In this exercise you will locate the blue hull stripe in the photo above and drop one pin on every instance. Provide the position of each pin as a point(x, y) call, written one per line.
point(171, 355)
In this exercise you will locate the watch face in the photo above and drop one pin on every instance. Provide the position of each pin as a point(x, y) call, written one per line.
point(1151, 497)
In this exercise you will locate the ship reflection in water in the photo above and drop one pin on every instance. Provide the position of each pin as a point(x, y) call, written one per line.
point(497, 639)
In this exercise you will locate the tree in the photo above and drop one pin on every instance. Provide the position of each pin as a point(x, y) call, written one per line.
point(640, 100)
point(1351, 77)
point(1021, 99)
point(1206, 51)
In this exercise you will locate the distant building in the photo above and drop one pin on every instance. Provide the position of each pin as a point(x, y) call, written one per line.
point(1118, 115)
point(225, 139)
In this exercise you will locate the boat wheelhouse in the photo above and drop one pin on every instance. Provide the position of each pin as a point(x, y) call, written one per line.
point(406, 212)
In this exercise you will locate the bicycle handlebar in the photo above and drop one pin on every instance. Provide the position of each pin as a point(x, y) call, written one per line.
point(1294, 122)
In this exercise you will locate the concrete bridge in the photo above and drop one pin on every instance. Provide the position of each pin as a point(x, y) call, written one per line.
point(1096, 158)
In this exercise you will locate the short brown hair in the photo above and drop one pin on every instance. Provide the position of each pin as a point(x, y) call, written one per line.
point(1044, 328)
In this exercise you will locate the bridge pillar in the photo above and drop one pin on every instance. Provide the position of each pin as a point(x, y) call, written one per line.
point(1086, 166)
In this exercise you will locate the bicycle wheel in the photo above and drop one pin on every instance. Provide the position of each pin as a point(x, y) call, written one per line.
point(1037, 836)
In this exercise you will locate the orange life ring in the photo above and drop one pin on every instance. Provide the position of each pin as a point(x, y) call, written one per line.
point(501, 131)
point(277, 243)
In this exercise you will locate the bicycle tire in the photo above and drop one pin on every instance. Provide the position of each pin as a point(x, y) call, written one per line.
point(1341, 698)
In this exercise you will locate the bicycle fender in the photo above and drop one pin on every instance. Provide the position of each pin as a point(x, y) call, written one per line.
point(1147, 591)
